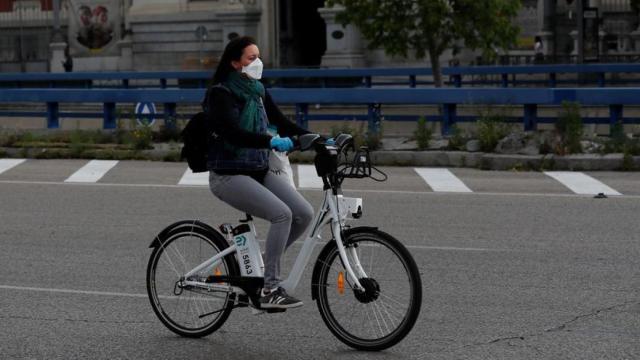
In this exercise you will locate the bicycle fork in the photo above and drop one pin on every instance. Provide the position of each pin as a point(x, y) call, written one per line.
point(336, 227)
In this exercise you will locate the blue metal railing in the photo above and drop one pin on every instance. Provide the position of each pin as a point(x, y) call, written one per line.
point(373, 98)
point(504, 76)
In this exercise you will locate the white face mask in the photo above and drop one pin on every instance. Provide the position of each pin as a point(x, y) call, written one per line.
point(254, 70)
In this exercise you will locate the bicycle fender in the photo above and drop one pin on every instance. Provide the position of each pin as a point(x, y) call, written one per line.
point(315, 276)
point(157, 241)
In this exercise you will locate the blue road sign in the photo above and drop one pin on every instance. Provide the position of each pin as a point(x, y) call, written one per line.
point(145, 112)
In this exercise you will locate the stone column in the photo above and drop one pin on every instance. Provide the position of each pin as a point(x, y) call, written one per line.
point(546, 14)
point(574, 36)
point(57, 45)
point(344, 44)
point(267, 36)
point(125, 63)
point(57, 56)
point(635, 38)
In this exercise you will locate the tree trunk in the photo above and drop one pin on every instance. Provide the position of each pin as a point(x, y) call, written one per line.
point(434, 56)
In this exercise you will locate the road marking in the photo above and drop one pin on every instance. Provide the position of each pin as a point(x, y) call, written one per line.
point(308, 177)
point(414, 247)
point(442, 180)
point(68, 291)
point(347, 191)
point(93, 171)
point(581, 183)
point(6, 164)
point(197, 179)
point(98, 293)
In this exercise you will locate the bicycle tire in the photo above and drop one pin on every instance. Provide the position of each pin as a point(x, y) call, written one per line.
point(202, 234)
point(380, 306)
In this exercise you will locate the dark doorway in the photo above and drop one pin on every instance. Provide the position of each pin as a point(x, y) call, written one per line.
point(302, 33)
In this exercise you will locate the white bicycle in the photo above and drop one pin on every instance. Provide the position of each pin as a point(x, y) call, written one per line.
point(365, 282)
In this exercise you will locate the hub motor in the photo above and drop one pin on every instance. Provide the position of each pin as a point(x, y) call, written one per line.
point(371, 290)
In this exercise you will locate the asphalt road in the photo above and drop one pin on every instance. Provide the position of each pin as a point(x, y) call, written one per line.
point(544, 274)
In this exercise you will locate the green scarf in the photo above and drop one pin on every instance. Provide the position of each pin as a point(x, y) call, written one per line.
point(251, 91)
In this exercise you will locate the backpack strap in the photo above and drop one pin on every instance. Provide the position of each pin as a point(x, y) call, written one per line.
point(205, 101)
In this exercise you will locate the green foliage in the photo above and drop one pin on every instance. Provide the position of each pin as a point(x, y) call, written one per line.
point(423, 134)
point(374, 141)
point(618, 142)
point(8, 139)
point(360, 138)
point(24, 152)
point(172, 156)
point(142, 137)
point(569, 127)
point(356, 129)
point(79, 144)
point(458, 138)
point(627, 162)
point(169, 131)
point(491, 129)
point(430, 27)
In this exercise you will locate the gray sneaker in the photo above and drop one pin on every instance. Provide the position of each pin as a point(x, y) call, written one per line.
point(278, 299)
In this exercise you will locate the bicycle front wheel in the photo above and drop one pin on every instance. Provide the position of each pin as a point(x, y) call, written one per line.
point(383, 314)
point(191, 311)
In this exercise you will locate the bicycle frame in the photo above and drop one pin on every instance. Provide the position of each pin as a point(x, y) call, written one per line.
point(330, 206)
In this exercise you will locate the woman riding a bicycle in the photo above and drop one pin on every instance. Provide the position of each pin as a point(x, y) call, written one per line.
point(241, 113)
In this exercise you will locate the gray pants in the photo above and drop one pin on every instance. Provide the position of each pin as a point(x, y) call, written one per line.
point(275, 201)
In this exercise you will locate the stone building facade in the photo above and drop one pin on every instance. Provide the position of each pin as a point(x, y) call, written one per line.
point(169, 35)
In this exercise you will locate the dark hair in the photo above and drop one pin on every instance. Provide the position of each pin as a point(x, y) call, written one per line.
point(232, 52)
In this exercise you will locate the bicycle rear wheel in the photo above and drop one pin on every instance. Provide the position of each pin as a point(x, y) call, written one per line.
point(381, 316)
point(188, 311)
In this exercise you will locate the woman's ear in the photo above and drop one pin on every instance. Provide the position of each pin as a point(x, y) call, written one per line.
point(236, 65)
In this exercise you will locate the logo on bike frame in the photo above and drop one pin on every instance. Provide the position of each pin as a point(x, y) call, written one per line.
point(241, 240)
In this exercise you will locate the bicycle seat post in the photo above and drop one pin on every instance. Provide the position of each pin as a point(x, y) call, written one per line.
point(249, 220)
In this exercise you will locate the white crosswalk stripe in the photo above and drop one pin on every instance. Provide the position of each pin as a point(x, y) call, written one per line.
point(581, 183)
point(93, 171)
point(402, 180)
point(197, 179)
point(308, 177)
point(442, 180)
point(6, 164)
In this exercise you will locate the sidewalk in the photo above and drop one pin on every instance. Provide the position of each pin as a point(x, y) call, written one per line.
point(394, 153)
point(488, 161)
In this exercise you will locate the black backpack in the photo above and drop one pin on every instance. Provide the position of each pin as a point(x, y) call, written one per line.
point(195, 137)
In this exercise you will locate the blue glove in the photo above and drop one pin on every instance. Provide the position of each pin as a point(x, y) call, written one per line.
point(330, 141)
point(281, 144)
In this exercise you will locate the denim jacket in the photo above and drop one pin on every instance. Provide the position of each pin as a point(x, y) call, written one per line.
point(224, 156)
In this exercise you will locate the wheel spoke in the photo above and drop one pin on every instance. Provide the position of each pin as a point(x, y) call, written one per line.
point(167, 260)
point(373, 319)
point(196, 310)
point(389, 307)
point(394, 300)
point(384, 322)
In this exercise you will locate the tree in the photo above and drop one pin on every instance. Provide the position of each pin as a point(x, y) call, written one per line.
point(429, 27)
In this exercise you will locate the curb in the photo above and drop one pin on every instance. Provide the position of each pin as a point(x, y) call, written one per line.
point(459, 159)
